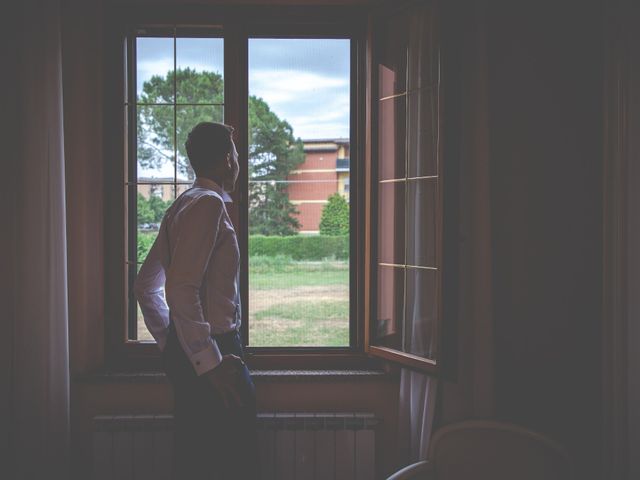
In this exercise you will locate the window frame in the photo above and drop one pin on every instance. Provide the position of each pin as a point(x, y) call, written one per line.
point(236, 27)
point(428, 365)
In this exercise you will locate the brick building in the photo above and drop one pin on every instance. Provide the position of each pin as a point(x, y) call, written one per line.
point(325, 171)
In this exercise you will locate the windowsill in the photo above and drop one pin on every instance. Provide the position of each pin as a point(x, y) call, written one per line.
point(259, 376)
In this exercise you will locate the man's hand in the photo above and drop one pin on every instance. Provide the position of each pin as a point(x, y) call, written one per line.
point(226, 378)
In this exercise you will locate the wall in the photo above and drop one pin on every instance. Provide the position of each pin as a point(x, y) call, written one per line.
point(86, 136)
point(545, 111)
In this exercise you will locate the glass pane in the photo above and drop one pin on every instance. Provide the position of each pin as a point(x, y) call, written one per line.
point(200, 67)
point(387, 330)
point(391, 218)
point(423, 133)
point(299, 100)
point(154, 70)
point(421, 223)
point(392, 138)
point(155, 143)
point(142, 333)
point(392, 56)
point(152, 202)
point(420, 312)
point(188, 117)
point(423, 53)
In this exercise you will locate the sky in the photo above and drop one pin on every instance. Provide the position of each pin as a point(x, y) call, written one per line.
point(304, 81)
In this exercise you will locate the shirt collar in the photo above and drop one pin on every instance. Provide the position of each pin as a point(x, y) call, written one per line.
point(209, 184)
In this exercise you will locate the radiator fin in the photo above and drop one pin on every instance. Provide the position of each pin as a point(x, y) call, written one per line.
point(292, 446)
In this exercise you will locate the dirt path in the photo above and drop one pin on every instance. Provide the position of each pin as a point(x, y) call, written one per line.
point(263, 299)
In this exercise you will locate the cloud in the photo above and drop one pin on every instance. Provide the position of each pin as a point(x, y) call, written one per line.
point(304, 81)
point(316, 105)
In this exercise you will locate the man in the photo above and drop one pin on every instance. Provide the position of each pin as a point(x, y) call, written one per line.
point(196, 259)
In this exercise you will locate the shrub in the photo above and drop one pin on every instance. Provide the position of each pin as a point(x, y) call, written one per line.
point(335, 216)
point(145, 241)
point(300, 247)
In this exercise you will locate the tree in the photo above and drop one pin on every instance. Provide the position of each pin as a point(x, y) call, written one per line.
point(151, 210)
point(273, 151)
point(335, 216)
point(155, 123)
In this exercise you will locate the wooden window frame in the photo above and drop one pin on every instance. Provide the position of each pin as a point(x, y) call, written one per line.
point(397, 357)
point(238, 26)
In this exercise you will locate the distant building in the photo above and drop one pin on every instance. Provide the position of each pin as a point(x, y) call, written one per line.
point(163, 189)
point(325, 171)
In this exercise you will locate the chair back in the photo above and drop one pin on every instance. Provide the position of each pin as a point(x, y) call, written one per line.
point(490, 450)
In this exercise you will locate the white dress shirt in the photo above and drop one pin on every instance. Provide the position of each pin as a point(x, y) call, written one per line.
point(191, 275)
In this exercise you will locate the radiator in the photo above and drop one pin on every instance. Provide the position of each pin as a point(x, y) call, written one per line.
point(292, 446)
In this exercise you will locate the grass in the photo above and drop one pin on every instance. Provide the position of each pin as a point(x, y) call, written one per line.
point(294, 303)
point(319, 323)
point(284, 273)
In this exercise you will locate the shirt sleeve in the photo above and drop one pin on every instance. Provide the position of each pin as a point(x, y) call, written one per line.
point(190, 253)
point(149, 289)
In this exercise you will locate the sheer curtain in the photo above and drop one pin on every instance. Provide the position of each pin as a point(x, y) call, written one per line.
point(38, 406)
point(474, 383)
point(418, 391)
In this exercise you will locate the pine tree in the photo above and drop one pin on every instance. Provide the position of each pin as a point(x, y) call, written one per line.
point(335, 216)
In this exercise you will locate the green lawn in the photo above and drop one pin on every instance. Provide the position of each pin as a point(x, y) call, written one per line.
point(295, 303)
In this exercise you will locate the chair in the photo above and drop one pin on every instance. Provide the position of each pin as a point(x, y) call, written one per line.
point(489, 450)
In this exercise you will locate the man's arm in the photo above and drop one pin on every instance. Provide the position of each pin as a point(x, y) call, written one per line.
point(190, 256)
point(149, 287)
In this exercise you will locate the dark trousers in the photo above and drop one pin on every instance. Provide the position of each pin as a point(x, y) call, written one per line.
point(211, 441)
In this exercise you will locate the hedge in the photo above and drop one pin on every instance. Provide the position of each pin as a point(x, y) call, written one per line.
point(300, 247)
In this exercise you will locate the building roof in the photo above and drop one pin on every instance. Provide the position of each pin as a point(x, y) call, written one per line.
point(324, 144)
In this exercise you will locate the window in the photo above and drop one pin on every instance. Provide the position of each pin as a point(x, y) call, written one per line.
point(289, 210)
point(176, 79)
point(407, 190)
point(340, 245)
point(299, 112)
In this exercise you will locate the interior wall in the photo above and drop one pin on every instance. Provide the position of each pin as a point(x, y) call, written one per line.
point(545, 90)
point(631, 135)
point(82, 47)
point(85, 138)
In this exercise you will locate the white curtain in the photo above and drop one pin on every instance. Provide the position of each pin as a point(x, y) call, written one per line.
point(418, 392)
point(38, 406)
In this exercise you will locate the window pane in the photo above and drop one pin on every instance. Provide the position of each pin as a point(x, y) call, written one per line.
point(188, 117)
point(152, 202)
point(299, 99)
point(141, 331)
point(155, 143)
point(388, 327)
point(154, 70)
point(392, 60)
point(423, 134)
point(420, 312)
point(421, 223)
point(391, 227)
point(392, 140)
point(200, 66)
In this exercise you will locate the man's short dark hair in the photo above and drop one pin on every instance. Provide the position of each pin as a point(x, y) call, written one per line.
point(207, 144)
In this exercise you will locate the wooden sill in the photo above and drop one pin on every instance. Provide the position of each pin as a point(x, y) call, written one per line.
point(259, 376)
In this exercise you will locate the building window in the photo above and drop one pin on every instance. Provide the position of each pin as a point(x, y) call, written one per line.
point(295, 243)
